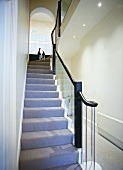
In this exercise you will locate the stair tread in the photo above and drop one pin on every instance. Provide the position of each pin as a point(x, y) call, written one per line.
point(41, 87)
point(44, 134)
point(41, 91)
point(48, 157)
point(40, 74)
point(40, 81)
point(38, 66)
point(43, 112)
point(46, 120)
point(44, 99)
point(44, 71)
point(44, 124)
point(42, 102)
point(40, 139)
point(41, 84)
point(43, 153)
point(41, 94)
point(40, 61)
point(44, 108)
point(39, 69)
point(67, 167)
point(48, 85)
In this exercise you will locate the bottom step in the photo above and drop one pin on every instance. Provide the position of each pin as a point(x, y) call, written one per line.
point(49, 157)
point(67, 167)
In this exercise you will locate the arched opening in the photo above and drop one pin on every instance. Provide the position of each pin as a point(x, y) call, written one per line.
point(41, 25)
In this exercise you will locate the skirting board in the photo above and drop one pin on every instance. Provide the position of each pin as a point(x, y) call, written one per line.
point(111, 138)
point(21, 118)
point(111, 129)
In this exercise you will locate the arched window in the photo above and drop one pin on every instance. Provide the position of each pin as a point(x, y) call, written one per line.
point(40, 37)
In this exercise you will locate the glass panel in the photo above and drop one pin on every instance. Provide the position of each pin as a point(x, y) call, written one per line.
point(40, 38)
point(65, 4)
point(33, 48)
point(33, 37)
point(67, 90)
point(88, 138)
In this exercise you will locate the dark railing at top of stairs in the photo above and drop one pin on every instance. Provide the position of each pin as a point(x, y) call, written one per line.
point(79, 99)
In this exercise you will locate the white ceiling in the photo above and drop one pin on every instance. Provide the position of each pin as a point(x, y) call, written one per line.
point(88, 13)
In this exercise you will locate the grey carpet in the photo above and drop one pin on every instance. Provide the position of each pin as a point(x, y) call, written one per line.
point(46, 142)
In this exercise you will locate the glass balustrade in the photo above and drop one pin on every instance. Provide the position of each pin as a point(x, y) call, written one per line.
point(65, 4)
point(66, 90)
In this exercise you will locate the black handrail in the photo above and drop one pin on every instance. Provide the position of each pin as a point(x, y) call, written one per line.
point(87, 103)
point(54, 28)
point(57, 16)
point(66, 69)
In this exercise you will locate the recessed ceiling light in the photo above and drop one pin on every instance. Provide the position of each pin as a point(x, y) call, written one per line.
point(74, 36)
point(99, 4)
point(83, 25)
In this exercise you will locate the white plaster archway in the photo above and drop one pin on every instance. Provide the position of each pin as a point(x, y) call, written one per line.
point(41, 24)
point(43, 10)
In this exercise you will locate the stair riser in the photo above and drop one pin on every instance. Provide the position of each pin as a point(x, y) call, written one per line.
point(43, 76)
point(39, 63)
point(40, 88)
point(43, 113)
point(53, 161)
point(39, 81)
point(46, 142)
point(42, 103)
point(38, 67)
point(39, 71)
point(33, 127)
point(66, 167)
point(29, 94)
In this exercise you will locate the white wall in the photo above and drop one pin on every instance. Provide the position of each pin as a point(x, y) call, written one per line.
point(21, 64)
point(8, 37)
point(33, 23)
point(1, 79)
point(99, 65)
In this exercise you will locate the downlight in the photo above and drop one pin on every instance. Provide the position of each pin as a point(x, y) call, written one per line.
point(99, 4)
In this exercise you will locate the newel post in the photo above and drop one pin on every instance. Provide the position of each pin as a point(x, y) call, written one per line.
point(54, 60)
point(78, 115)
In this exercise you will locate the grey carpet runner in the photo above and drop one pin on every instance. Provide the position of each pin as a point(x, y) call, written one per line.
point(46, 142)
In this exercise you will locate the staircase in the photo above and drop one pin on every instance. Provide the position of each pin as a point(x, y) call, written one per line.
point(46, 142)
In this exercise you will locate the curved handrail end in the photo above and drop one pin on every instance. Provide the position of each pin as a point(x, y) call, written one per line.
point(87, 103)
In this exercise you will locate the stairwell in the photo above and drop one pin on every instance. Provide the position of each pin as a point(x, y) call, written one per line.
point(46, 141)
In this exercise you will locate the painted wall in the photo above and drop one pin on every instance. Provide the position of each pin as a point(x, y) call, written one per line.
point(99, 65)
point(69, 13)
point(48, 24)
point(8, 48)
point(1, 81)
point(21, 64)
point(49, 4)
